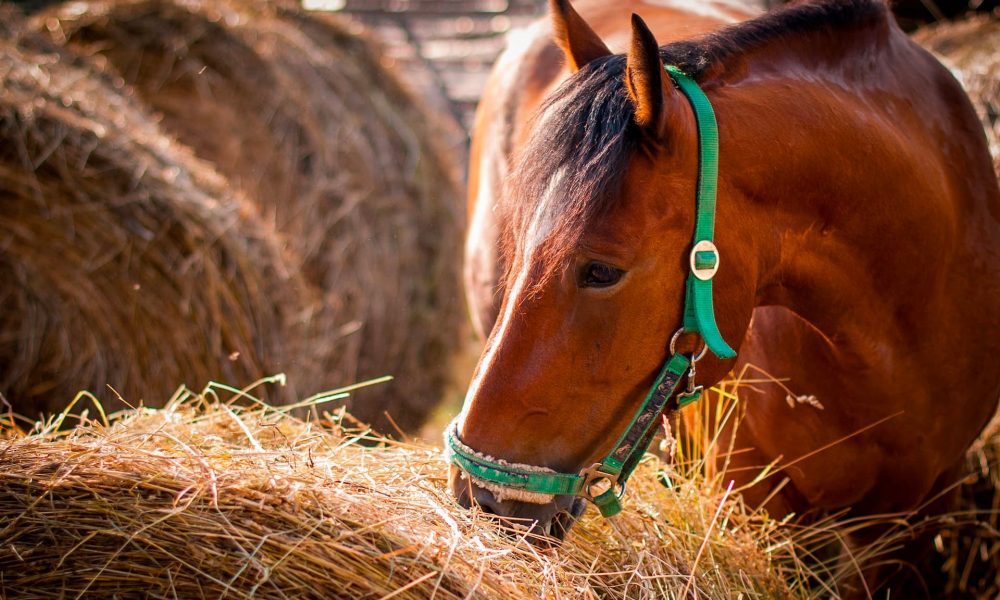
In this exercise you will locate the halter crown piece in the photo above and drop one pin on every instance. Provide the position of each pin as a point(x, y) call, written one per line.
point(603, 483)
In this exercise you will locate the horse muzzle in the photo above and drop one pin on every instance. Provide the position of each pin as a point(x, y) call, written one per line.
point(543, 525)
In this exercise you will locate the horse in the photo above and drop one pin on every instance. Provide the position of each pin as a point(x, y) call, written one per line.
point(855, 251)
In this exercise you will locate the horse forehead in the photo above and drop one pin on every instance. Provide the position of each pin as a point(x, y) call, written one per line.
point(638, 207)
point(624, 224)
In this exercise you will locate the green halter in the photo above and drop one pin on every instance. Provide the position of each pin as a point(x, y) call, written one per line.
point(603, 483)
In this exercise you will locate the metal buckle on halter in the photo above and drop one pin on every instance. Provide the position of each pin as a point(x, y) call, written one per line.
point(594, 475)
point(704, 252)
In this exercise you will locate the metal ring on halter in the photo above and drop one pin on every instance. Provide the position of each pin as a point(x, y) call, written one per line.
point(694, 358)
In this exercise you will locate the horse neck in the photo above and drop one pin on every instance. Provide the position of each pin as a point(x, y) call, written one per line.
point(816, 168)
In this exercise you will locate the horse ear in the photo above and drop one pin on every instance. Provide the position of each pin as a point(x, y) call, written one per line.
point(577, 40)
point(645, 77)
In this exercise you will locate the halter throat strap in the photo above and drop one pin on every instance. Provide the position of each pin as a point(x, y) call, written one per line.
point(603, 483)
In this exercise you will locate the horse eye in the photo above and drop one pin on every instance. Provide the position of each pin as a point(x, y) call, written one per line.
point(599, 275)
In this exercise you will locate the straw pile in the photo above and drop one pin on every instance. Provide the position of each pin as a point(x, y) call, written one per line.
point(969, 49)
point(203, 499)
point(957, 553)
point(969, 555)
point(206, 499)
point(299, 114)
point(124, 261)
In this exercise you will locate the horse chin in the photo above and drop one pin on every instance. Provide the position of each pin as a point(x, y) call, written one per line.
point(563, 521)
point(551, 533)
point(544, 525)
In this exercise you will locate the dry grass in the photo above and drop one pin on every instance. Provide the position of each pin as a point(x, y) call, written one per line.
point(955, 554)
point(206, 499)
point(299, 114)
point(968, 551)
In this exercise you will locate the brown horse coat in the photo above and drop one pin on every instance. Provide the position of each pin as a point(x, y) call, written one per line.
point(858, 223)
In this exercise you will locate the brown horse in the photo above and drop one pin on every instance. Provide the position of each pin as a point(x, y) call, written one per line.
point(858, 225)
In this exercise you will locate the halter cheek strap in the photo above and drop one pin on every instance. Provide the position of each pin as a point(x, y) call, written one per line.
point(699, 313)
point(603, 483)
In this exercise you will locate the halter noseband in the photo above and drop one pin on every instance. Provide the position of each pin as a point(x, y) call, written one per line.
point(603, 483)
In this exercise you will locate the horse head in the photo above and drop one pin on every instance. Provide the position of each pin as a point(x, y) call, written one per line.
point(601, 211)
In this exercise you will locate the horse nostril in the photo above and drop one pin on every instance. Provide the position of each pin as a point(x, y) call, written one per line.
point(564, 519)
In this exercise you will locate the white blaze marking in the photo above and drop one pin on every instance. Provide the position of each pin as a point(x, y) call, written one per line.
point(482, 240)
point(542, 221)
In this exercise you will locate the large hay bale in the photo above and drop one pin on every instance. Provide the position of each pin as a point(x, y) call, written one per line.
point(298, 113)
point(971, 49)
point(202, 500)
point(124, 262)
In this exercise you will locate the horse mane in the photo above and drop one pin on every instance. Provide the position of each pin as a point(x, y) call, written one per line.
point(572, 169)
point(696, 57)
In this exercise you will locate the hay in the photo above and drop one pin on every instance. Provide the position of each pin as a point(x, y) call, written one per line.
point(205, 500)
point(124, 262)
point(968, 553)
point(957, 553)
point(298, 113)
point(969, 49)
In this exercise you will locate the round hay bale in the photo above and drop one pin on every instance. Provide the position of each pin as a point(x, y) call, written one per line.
point(299, 114)
point(970, 49)
point(124, 262)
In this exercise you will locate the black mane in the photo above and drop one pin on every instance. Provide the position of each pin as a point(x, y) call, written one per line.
point(586, 131)
point(694, 57)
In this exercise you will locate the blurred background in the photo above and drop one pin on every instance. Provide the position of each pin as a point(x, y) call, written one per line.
point(199, 190)
point(444, 49)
